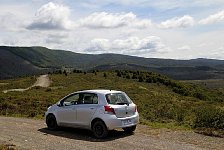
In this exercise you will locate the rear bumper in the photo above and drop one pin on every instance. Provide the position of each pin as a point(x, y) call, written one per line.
point(112, 122)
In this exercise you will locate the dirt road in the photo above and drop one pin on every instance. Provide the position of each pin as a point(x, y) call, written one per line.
point(32, 134)
point(42, 81)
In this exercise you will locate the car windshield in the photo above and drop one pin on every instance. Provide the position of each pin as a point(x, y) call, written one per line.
point(118, 99)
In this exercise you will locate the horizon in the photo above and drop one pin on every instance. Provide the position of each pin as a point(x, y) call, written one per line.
point(174, 29)
point(111, 53)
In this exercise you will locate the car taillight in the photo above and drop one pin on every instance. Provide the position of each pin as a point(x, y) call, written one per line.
point(109, 109)
point(136, 108)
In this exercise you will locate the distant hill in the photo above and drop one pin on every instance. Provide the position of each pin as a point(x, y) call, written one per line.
point(12, 65)
point(21, 61)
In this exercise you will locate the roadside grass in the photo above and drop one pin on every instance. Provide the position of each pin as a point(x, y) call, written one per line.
point(17, 83)
point(7, 147)
point(170, 125)
point(3, 147)
point(210, 132)
point(159, 106)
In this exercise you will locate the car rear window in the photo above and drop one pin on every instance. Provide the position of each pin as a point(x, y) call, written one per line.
point(118, 99)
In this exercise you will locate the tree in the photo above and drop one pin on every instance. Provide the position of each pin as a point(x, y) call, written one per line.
point(140, 79)
point(94, 71)
point(118, 73)
point(104, 75)
point(134, 76)
point(149, 80)
point(65, 73)
point(128, 76)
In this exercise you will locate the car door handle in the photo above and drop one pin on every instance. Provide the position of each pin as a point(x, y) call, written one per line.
point(92, 108)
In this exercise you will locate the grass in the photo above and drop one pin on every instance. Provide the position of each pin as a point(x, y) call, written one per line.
point(210, 83)
point(170, 125)
point(17, 83)
point(159, 106)
point(7, 147)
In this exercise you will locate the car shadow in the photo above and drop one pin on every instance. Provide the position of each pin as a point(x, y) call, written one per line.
point(83, 134)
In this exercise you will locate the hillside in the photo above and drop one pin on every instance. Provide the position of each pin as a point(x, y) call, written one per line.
point(159, 99)
point(21, 61)
point(12, 65)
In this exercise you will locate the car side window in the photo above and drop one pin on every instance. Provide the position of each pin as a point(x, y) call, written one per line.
point(95, 99)
point(90, 98)
point(71, 100)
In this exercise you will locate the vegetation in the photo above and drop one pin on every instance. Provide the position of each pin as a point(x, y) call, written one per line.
point(23, 61)
point(192, 90)
point(4, 146)
point(160, 99)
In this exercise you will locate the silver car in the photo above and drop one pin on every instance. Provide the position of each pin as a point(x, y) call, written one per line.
point(96, 110)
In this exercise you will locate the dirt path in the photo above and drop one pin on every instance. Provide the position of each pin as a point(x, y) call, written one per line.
point(32, 134)
point(42, 81)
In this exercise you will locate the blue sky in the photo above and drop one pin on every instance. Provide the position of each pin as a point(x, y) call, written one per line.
point(178, 29)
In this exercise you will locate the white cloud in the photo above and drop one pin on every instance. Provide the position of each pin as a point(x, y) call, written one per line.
point(10, 22)
point(58, 38)
point(132, 45)
point(184, 48)
point(215, 18)
point(52, 16)
point(143, 23)
point(99, 45)
point(113, 20)
point(178, 22)
point(107, 20)
point(215, 53)
point(218, 53)
point(117, 32)
point(161, 5)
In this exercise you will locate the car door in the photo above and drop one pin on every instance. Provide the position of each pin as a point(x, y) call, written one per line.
point(86, 110)
point(66, 113)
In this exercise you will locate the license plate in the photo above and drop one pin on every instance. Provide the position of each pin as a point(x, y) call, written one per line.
point(126, 122)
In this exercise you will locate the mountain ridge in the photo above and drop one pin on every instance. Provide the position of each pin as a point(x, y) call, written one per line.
point(42, 60)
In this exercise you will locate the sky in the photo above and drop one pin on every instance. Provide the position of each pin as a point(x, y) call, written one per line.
point(175, 29)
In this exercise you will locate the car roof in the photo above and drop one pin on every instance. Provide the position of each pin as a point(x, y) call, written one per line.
point(101, 91)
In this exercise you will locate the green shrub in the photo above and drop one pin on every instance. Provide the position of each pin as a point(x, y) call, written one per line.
point(48, 90)
point(156, 102)
point(104, 75)
point(140, 79)
point(210, 117)
point(32, 114)
point(128, 76)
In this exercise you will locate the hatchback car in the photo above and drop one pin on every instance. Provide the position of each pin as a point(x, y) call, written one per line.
point(96, 110)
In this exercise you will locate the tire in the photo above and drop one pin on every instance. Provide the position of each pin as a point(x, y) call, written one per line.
point(99, 129)
point(129, 129)
point(51, 122)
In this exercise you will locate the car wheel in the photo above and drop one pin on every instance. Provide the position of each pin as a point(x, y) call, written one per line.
point(129, 129)
point(51, 122)
point(99, 130)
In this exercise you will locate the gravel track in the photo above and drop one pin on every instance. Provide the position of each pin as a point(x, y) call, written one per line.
point(42, 81)
point(32, 134)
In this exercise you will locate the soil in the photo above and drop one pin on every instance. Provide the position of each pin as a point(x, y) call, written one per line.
point(32, 134)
